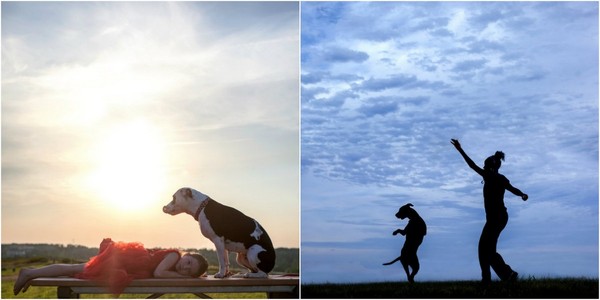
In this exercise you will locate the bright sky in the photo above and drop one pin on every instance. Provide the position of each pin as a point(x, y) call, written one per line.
point(108, 108)
point(385, 86)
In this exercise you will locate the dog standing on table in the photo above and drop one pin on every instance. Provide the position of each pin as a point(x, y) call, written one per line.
point(229, 230)
point(415, 230)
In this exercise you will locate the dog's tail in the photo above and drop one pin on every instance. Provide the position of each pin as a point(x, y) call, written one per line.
point(393, 261)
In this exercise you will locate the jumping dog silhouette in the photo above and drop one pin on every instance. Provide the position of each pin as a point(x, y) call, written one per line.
point(414, 231)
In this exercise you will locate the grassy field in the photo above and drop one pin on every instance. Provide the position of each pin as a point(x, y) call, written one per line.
point(528, 288)
point(10, 270)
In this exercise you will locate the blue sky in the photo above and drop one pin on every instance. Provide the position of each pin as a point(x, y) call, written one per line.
point(109, 107)
point(386, 85)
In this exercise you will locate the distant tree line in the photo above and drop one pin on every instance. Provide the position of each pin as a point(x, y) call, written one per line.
point(51, 252)
point(287, 258)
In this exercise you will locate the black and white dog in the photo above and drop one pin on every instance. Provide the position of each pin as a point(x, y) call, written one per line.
point(229, 230)
point(415, 230)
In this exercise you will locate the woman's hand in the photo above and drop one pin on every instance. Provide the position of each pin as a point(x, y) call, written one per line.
point(524, 197)
point(455, 143)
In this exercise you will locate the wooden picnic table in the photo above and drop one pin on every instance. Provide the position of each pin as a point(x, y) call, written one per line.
point(276, 286)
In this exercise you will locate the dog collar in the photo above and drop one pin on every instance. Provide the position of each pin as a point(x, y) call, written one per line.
point(200, 208)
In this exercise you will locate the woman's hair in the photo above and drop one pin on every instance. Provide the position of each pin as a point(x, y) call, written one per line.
point(499, 155)
point(202, 264)
point(494, 162)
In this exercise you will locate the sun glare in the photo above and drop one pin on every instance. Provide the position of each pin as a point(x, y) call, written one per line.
point(129, 173)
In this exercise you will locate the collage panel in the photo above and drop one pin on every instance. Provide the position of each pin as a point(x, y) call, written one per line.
point(448, 142)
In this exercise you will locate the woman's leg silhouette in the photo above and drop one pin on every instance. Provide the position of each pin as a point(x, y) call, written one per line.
point(488, 255)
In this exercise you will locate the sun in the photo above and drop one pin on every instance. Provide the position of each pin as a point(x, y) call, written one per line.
point(129, 172)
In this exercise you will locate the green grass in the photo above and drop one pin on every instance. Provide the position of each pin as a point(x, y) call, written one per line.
point(528, 288)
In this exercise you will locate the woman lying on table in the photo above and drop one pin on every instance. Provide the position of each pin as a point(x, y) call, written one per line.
point(118, 263)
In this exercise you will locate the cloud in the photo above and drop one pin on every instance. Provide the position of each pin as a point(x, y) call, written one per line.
point(469, 65)
point(478, 46)
point(379, 108)
point(397, 81)
point(344, 55)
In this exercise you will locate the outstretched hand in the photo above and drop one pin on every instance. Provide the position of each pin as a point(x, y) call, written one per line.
point(524, 197)
point(456, 143)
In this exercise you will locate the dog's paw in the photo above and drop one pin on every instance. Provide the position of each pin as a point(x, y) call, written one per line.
point(239, 275)
point(221, 275)
point(259, 274)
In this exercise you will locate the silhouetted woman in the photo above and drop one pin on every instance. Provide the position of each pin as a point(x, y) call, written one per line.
point(496, 215)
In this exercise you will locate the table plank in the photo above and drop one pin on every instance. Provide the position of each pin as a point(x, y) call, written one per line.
point(273, 280)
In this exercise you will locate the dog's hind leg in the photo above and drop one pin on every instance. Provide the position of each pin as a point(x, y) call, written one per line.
point(253, 261)
point(250, 260)
point(242, 260)
point(415, 269)
point(393, 261)
point(405, 264)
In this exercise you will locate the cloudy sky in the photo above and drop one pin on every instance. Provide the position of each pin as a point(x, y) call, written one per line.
point(109, 107)
point(385, 86)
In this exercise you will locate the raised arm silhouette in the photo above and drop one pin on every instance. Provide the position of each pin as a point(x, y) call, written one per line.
point(496, 215)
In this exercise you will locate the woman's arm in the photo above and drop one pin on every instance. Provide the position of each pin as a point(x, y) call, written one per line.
point(163, 268)
point(516, 191)
point(466, 157)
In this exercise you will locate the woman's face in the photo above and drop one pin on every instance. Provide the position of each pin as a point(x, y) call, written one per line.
point(187, 265)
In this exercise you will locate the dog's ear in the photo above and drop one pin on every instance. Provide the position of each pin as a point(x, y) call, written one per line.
point(187, 192)
point(409, 205)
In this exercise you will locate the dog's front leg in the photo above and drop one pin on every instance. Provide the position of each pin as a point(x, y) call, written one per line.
point(223, 256)
point(226, 258)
